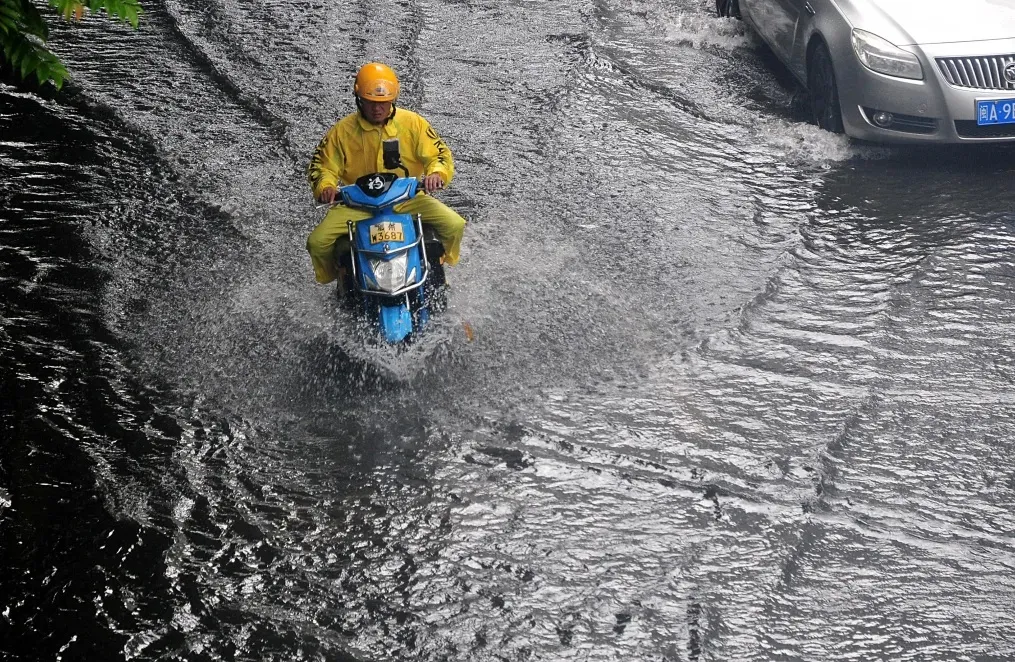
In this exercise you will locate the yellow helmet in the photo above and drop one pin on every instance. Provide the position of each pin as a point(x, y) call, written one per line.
point(376, 82)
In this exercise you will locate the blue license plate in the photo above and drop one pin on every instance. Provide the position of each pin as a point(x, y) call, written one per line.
point(995, 111)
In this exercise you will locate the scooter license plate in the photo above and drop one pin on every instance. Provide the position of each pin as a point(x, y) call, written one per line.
point(381, 232)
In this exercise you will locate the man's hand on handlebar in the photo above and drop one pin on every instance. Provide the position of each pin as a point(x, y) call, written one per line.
point(429, 183)
point(433, 182)
point(327, 195)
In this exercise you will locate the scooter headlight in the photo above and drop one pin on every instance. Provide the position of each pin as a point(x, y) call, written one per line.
point(884, 57)
point(390, 274)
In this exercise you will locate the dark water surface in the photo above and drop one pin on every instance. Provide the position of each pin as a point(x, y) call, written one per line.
point(739, 389)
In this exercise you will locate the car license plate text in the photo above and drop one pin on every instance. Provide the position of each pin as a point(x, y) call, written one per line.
point(381, 232)
point(995, 111)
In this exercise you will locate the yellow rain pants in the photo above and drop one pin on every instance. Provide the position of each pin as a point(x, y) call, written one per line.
point(321, 243)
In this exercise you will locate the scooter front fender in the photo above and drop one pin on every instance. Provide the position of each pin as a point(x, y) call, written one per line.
point(395, 322)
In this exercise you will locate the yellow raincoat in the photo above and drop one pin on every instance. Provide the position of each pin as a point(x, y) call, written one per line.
point(353, 148)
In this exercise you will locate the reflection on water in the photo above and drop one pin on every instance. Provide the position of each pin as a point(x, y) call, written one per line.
point(737, 388)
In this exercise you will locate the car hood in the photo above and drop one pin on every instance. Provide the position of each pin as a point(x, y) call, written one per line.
point(910, 22)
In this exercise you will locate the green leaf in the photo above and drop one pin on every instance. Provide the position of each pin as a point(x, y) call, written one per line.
point(123, 10)
point(8, 11)
point(64, 7)
point(52, 70)
point(26, 55)
point(18, 52)
point(34, 22)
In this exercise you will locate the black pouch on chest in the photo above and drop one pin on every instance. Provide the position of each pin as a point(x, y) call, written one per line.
point(392, 156)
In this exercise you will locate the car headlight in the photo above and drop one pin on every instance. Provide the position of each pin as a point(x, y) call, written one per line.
point(390, 274)
point(884, 57)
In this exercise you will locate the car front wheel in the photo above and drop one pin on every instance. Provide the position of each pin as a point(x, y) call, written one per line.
point(823, 91)
point(728, 8)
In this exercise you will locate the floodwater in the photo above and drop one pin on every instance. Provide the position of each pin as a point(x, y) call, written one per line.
point(738, 389)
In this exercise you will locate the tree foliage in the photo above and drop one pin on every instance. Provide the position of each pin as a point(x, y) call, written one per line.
point(24, 31)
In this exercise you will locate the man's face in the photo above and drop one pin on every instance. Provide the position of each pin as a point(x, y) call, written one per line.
point(375, 111)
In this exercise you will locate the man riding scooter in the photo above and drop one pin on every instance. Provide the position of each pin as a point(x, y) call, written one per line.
point(356, 146)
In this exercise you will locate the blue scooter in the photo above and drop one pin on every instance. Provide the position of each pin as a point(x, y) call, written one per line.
point(394, 269)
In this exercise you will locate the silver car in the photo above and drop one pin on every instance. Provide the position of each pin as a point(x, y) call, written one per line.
point(897, 71)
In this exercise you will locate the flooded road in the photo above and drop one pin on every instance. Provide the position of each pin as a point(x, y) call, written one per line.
point(739, 389)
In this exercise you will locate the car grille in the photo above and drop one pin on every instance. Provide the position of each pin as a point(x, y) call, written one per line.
point(980, 73)
point(970, 129)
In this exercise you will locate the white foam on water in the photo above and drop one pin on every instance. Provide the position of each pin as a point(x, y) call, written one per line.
point(801, 142)
point(705, 31)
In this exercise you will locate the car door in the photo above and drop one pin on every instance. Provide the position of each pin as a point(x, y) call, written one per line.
point(776, 21)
